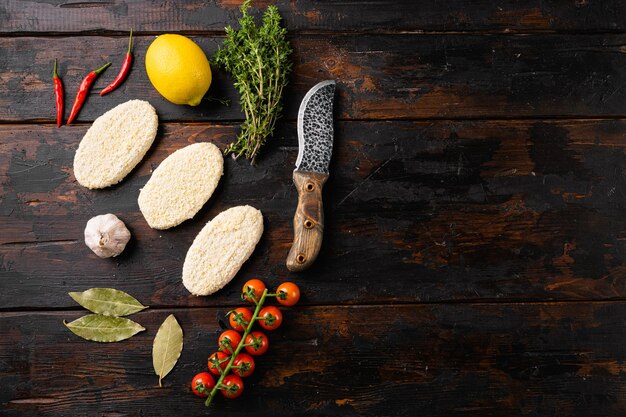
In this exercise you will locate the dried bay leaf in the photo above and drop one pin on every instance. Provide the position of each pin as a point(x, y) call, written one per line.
point(107, 301)
point(101, 328)
point(167, 347)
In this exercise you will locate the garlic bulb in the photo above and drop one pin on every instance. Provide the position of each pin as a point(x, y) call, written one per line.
point(106, 235)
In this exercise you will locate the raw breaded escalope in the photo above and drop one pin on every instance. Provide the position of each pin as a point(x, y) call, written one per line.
point(221, 248)
point(115, 143)
point(181, 185)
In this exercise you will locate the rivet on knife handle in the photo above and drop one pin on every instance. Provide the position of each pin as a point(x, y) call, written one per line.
point(308, 222)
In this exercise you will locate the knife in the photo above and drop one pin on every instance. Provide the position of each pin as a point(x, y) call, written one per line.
point(315, 142)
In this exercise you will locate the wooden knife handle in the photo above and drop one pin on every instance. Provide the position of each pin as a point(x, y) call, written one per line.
point(308, 222)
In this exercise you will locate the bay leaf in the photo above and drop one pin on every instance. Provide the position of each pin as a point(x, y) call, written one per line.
point(101, 328)
point(167, 347)
point(107, 301)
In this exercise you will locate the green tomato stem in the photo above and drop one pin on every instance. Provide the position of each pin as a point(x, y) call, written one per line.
point(241, 346)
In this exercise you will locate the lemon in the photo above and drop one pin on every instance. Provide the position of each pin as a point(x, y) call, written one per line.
point(178, 69)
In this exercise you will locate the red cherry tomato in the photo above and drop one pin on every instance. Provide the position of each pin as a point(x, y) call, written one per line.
point(234, 386)
point(228, 341)
point(222, 358)
point(258, 342)
point(256, 286)
point(239, 318)
point(246, 364)
point(288, 294)
point(270, 318)
point(202, 384)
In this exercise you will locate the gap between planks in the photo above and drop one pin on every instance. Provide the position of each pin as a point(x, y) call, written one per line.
point(236, 122)
point(295, 33)
point(13, 311)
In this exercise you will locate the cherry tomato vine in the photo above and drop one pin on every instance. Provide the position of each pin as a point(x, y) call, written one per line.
point(229, 357)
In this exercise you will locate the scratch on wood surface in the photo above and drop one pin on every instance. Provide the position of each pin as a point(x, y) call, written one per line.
point(86, 4)
point(30, 167)
point(551, 287)
point(59, 177)
point(39, 243)
point(364, 181)
point(34, 401)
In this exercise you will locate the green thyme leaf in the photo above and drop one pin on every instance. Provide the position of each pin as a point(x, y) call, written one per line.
point(101, 328)
point(258, 59)
point(107, 301)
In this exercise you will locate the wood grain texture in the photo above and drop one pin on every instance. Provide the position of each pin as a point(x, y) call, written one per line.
point(378, 77)
point(308, 221)
point(63, 16)
point(441, 210)
point(441, 360)
point(474, 248)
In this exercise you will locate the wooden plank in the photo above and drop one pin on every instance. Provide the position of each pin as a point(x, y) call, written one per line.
point(467, 210)
point(31, 16)
point(445, 360)
point(379, 77)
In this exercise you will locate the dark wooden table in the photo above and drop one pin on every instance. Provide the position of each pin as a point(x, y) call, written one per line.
point(473, 263)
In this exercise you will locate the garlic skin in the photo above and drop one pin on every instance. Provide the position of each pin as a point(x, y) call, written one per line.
point(106, 235)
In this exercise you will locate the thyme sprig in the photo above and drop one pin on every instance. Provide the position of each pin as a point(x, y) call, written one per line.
point(258, 58)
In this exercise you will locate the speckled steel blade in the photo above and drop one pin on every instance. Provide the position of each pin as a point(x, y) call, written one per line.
point(315, 128)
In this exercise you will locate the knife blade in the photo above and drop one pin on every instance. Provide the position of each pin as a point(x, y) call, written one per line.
point(315, 140)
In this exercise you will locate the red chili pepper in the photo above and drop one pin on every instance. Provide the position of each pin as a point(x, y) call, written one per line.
point(123, 71)
point(58, 94)
point(83, 89)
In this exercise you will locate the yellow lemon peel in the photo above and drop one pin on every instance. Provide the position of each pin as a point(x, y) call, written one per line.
point(178, 69)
